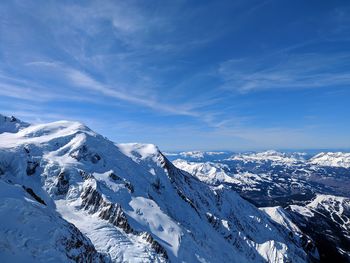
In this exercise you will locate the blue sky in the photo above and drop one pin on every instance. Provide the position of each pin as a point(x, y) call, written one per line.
point(206, 75)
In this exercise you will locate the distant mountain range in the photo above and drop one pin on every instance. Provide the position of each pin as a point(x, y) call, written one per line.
point(69, 194)
point(311, 192)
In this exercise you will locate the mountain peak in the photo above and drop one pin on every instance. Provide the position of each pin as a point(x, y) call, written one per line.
point(11, 124)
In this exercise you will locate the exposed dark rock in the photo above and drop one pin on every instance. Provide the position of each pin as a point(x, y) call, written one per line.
point(95, 158)
point(83, 153)
point(80, 153)
point(114, 177)
point(1, 171)
point(213, 220)
point(78, 242)
point(129, 186)
point(93, 202)
point(31, 192)
point(31, 167)
point(157, 185)
point(62, 183)
point(13, 119)
point(85, 175)
point(329, 238)
point(154, 244)
point(187, 200)
point(26, 149)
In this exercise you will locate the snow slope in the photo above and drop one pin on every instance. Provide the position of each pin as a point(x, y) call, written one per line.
point(333, 159)
point(32, 232)
point(134, 204)
point(11, 124)
point(327, 220)
point(208, 172)
point(271, 156)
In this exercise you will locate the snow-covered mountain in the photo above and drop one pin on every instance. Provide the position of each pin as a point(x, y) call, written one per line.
point(198, 156)
point(272, 156)
point(80, 197)
point(32, 231)
point(327, 220)
point(11, 124)
point(333, 159)
point(305, 189)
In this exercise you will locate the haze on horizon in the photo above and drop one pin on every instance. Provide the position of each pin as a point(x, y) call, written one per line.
point(214, 75)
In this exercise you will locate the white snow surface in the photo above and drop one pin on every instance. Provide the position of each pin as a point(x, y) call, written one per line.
point(212, 173)
point(338, 207)
point(271, 155)
point(32, 232)
point(191, 220)
point(11, 124)
point(333, 159)
point(217, 173)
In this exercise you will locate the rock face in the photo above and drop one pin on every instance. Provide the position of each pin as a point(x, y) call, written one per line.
point(131, 202)
point(62, 183)
point(31, 192)
point(83, 153)
point(31, 167)
point(93, 202)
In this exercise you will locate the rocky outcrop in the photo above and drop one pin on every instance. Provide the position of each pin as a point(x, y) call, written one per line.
point(62, 183)
point(31, 167)
point(93, 202)
point(36, 197)
point(78, 243)
point(154, 244)
point(83, 153)
point(126, 183)
point(85, 175)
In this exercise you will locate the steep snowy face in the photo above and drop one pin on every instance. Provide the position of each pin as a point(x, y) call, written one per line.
point(333, 159)
point(282, 218)
point(31, 231)
point(336, 206)
point(313, 219)
point(238, 222)
point(327, 220)
point(133, 203)
point(11, 124)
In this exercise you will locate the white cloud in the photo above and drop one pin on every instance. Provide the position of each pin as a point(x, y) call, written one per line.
point(285, 72)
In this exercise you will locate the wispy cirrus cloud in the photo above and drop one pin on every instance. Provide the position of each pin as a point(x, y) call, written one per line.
point(165, 65)
point(82, 80)
point(285, 71)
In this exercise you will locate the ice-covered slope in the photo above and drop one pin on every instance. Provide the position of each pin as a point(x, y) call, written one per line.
point(337, 207)
point(333, 159)
point(327, 220)
point(133, 204)
point(30, 231)
point(241, 224)
point(11, 124)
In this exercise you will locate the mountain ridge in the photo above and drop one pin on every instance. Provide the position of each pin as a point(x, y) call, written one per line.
point(119, 198)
